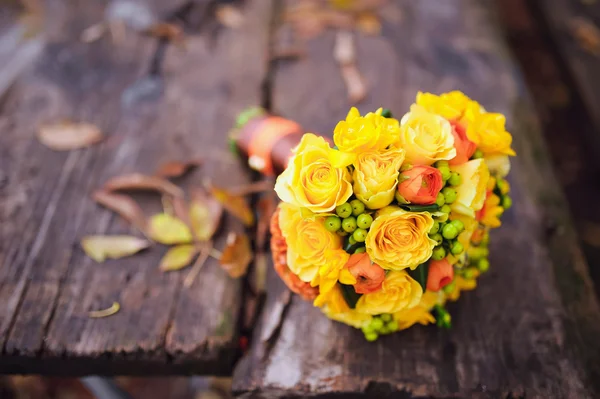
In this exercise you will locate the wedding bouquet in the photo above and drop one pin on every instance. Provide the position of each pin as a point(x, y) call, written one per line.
point(383, 227)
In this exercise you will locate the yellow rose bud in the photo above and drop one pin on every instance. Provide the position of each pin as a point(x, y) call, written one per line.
point(471, 193)
point(399, 239)
point(333, 304)
point(499, 165)
point(311, 181)
point(333, 271)
point(450, 105)
point(309, 243)
point(358, 133)
point(376, 176)
point(399, 291)
point(488, 132)
point(426, 137)
point(421, 313)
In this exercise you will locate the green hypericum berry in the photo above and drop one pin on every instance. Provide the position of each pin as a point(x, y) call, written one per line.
point(457, 248)
point(455, 179)
point(367, 329)
point(437, 237)
point(357, 207)
point(441, 163)
point(351, 239)
point(435, 228)
point(506, 202)
point(372, 336)
point(360, 235)
point(386, 317)
point(384, 330)
point(449, 194)
point(439, 253)
point(501, 184)
point(344, 210)
point(483, 265)
point(445, 171)
point(486, 238)
point(360, 250)
point(386, 113)
point(449, 231)
point(469, 274)
point(333, 223)
point(349, 224)
point(477, 154)
point(460, 226)
point(448, 288)
point(446, 209)
point(392, 326)
point(440, 200)
point(364, 220)
point(376, 323)
point(446, 321)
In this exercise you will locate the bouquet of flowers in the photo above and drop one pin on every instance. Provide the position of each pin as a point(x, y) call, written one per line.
point(385, 226)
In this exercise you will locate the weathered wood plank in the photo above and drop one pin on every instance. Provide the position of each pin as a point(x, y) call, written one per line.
point(530, 328)
point(563, 18)
point(46, 282)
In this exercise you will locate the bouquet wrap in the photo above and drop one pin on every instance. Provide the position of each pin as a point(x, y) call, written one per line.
point(386, 224)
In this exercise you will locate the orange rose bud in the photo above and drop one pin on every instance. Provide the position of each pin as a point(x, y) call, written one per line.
point(465, 148)
point(420, 184)
point(369, 276)
point(441, 274)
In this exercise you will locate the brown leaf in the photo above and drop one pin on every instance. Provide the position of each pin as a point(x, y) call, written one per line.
point(252, 188)
point(235, 205)
point(178, 257)
point(138, 181)
point(65, 136)
point(237, 255)
point(176, 168)
point(204, 254)
point(100, 248)
point(114, 308)
point(229, 16)
point(124, 205)
point(205, 215)
point(168, 229)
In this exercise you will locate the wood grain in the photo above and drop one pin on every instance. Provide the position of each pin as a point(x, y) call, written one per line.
point(531, 327)
point(47, 284)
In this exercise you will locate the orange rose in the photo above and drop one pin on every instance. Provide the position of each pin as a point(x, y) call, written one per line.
point(420, 184)
point(440, 274)
point(465, 148)
point(368, 275)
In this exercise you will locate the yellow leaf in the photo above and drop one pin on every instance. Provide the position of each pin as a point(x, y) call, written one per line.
point(96, 314)
point(235, 205)
point(237, 255)
point(64, 136)
point(100, 247)
point(168, 229)
point(178, 257)
point(205, 215)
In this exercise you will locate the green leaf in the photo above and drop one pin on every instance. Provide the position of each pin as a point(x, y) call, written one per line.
point(420, 274)
point(350, 295)
point(420, 208)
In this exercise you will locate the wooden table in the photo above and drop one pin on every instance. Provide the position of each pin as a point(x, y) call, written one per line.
point(530, 329)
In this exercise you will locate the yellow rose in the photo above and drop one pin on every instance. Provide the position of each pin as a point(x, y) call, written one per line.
point(333, 304)
point(309, 243)
point(311, 180)
point(451, 106)
point(398, 239)
point(358, 133)
point(470, 194)
point(376, 176)
point(499, 165)
point(488, 132)
point(426, 137)
point(421, 313)
point(333, 271)
point(398, 291)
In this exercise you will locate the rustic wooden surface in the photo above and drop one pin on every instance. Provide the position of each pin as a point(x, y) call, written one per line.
point(177, 105)
point(561, 17)
point(530, 329)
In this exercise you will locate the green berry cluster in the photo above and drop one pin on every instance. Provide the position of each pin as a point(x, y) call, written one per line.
point(380, 325)
point(501, 190)
point(478, 257)
point(445, 234)
point(352, 221)
point(442, 317)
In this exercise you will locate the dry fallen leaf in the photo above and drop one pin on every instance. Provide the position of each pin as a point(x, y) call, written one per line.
point(65, 136)
point(235, 205)
point(205, 215)
point(178, 257)
point(237, 255)
point(100, 247)
point(138, 181)
point(168, 229)
point(125, 206)
point(229, 16)
point(176, 168)
point(114, 308)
